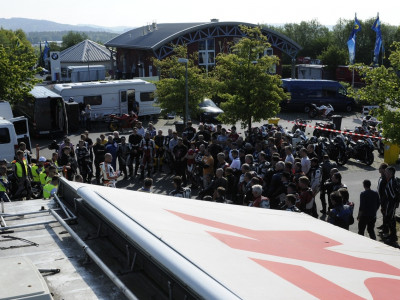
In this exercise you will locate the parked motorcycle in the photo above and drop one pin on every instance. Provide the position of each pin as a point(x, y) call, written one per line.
point(320, 111)
point(361, 150)
point(119, 123)
point(326, 133)
point(299, 124)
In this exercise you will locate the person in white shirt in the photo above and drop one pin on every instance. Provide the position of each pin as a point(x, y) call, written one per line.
point(289, 154)
point(235, 164)
point(305, 161)
point(140, 129)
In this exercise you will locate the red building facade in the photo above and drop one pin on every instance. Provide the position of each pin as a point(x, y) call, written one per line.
point(136, 49)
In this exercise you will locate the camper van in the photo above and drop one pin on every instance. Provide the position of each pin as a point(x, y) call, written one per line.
point(12, 132)
point(112, 97)
point(45, 111)
point(320, 92)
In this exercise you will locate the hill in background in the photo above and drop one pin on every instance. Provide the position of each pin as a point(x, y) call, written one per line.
point(33, 25)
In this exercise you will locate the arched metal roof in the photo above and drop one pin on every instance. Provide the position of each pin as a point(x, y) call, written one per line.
point(160, 38)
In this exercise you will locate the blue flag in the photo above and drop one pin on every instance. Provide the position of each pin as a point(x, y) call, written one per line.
point(351, 42)
point(378, 41)
point(46, 50)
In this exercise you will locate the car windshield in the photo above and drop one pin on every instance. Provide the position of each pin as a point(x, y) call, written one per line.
point(207, 102)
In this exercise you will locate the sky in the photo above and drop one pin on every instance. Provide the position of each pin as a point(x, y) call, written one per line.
point(134, 13)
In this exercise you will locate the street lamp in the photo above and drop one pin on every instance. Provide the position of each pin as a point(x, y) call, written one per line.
point(186, 61)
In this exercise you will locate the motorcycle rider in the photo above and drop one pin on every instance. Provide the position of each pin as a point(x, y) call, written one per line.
point(107, 171)
point(83, 158)
point(134, 140)
point(159, 141)
point(147, 147)
point(124, 153)
point(99, 151)
point(326, 167)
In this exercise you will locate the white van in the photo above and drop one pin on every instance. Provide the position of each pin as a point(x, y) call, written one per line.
point(12, 132)
point(112, 97)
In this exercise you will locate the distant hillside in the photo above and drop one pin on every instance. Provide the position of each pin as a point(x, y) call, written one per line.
point(96, 36)
point(32, 25)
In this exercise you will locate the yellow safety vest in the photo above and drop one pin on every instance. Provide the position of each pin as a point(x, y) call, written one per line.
point(19, 168)
point(48, 190)
point(2, 187)
point(44, 179)
point(35, 173)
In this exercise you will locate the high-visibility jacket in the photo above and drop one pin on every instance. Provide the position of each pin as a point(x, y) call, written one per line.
point(49, 190)
point(19, 168)
point(3, 183)
point(44, 179)
point(36, 171)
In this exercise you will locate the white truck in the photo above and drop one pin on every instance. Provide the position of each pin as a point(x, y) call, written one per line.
point(112, 97)
point(13, 130)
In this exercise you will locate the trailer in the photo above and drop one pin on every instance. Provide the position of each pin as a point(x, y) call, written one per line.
point(85, 73)
point(192, 249)
point(112, 97)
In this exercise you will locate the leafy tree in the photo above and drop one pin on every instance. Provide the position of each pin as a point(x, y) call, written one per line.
point(244, 82)
point(171, 89)
point(333, 56)
point(383, 89)
point(17, 65)
point(72, 38)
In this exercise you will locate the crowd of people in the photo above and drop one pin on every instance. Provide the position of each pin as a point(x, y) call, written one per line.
point(258, 170)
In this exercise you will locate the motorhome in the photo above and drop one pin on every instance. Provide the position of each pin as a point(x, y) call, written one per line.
point(45, 111)
point(13, 130)
point(112, 97)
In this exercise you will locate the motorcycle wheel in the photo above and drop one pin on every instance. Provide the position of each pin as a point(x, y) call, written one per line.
point(312, 113)
point(113, 126)
point(369, 158)
point(341, 159)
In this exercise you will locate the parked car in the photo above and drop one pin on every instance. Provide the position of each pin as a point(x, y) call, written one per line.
point(43, 72)
point(209, 111)
point(304, 92)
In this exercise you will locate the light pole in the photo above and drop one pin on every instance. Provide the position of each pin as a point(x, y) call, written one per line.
point(186, 61)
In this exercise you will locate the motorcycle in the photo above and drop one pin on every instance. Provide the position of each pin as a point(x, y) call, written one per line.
point(320, 111)
point(361, 150)
point(119, 123)
point(299, 124)
point(336, 149)
point(326, 133)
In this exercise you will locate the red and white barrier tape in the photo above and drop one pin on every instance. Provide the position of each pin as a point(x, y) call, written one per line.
point(338, 131)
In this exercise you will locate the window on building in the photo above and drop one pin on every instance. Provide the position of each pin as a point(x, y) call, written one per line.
point(92, 100)
point(207, 52)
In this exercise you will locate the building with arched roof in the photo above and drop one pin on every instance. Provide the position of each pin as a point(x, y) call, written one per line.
point(136, 48)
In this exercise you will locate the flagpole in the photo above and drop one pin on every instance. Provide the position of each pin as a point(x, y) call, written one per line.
point(352, 77)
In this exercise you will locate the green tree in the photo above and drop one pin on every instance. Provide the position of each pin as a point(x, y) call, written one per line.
point(250, 92)
point(383, 89)
point(171, 89)
point(72, 38)
point(17, 65)
point(333, 56)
